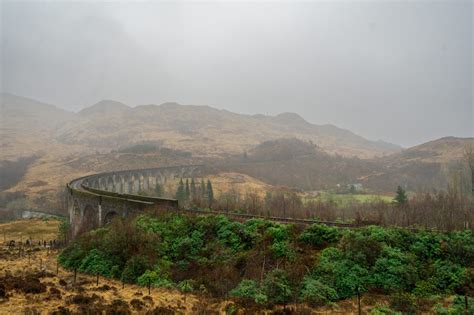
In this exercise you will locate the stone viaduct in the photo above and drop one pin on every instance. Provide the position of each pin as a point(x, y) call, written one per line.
point(95, 199)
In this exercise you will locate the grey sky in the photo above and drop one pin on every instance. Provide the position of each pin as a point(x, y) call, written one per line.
point(400, 71)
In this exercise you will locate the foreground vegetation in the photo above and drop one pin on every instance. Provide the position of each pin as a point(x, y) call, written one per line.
point(261, 262)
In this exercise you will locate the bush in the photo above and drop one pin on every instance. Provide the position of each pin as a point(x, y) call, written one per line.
point(318, 235)
point(317, 293)
point(403, 302)
point(448, 276)
point(342, 274)
point(96, 263)
point(249, 289)
point(134, 268)
point(382, 310)
point(395, 270)
point(277, 287)
point(71, 257)
point(283, 249)
point(186, 286)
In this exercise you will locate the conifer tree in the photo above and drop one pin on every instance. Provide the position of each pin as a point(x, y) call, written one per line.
point(209, 192)
point(401, 197)
point(193, 188)
point(180, 192)
point(186, 190)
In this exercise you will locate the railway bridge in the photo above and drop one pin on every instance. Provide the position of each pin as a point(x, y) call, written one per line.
point(95, 199)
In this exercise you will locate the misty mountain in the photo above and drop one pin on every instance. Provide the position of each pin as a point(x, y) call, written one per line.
point(206, 131)
point(203, 130)
point(23, 113)
point(302, 165)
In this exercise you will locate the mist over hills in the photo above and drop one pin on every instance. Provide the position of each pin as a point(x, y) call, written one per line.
point(202, 130)
point(282, 150)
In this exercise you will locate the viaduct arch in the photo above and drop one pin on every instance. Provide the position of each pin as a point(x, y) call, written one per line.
point(95, 200)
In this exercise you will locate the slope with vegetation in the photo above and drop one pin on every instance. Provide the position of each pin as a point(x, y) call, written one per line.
point(261, 263)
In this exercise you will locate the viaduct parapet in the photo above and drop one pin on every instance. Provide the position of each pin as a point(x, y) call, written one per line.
point(95, 200)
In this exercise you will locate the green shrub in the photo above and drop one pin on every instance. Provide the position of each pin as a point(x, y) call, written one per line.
point(448, 276)
point(96, 263)
point(395, 270)
point(382, 310)
point(277, 287)
point(186, 286)
point(278, 232)
point(71, 257)
point(134, 268)
point(425, 288)
point(318, 235)
point(316, 293)
point(249, 289)
point(342, 274)
point(283, 249)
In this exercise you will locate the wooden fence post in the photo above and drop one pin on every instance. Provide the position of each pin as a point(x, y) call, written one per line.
point(358, 301)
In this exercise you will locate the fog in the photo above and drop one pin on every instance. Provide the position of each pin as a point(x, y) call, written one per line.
point(394, 70)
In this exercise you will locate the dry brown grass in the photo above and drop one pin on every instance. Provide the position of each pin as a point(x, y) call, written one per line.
point(35, 229)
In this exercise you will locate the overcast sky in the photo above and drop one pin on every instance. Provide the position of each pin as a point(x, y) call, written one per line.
point(400, 71)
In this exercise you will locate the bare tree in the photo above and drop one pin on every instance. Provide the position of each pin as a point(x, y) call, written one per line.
point(469, 156)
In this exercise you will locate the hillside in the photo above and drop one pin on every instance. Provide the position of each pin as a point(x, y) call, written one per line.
point(204, 130)
point(431, 165)
point(303, 165)
point(27, 126)
point(441, 150)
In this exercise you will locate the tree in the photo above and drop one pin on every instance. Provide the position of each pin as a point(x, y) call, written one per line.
point(186, 190)
point(193, 188)
point(210, 193)
point(401, 197)
point(249, 289)
point(134, 268)
point(276, 286)
point(316, 293)
point(181, 192)
point(202, 189)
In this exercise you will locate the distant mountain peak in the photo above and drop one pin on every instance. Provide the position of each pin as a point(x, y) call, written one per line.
point(290, 118)
point(104, 107)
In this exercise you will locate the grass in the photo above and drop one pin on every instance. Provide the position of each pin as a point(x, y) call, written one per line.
point(36, 229)
point(347, 199)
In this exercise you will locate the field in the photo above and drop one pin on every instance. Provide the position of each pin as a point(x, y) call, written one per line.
point(35, 229)
point(344, 200)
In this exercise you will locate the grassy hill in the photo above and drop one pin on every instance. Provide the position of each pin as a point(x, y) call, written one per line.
point(300, 164)
point(204, 130)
